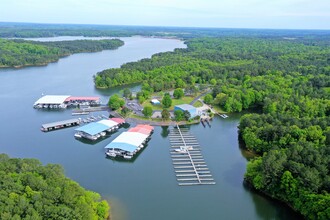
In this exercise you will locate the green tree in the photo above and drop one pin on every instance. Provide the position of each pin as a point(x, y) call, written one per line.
point(166, 101)
point(115, 102)
point(186, 115)
point(179, 116)
point(213, 82)
point(165, 114)
point(30, 190)
point(147, 111)
point(178, 93)
point(127, 93)
point(208, 99)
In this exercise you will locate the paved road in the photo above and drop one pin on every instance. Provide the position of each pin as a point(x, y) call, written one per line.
point(198, 97)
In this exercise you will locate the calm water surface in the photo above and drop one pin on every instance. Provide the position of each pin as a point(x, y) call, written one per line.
point(145, 189)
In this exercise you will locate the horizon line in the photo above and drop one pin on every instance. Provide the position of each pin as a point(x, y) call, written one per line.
point(162, 26)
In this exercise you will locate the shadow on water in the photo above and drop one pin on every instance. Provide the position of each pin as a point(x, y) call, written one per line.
point(265, 212)
point(123, 160)
point(165, 131)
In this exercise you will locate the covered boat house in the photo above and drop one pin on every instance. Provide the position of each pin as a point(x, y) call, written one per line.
point(127, 144)
point(60, 124)
point(95, 130)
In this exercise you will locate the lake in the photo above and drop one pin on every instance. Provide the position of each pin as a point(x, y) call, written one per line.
point(146, 188)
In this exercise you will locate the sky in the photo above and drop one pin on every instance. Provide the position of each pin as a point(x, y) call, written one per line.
point(275, 14)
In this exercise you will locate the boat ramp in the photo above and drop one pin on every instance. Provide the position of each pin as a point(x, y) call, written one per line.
point(189, 165)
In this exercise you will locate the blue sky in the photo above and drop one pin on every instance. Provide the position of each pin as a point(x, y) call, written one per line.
point(288, 14)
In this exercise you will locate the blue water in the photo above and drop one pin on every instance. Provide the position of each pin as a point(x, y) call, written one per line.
point(145, 189)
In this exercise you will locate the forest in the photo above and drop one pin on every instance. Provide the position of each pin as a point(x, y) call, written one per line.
point(19, 53)
point(32, 191)
point(285, 80)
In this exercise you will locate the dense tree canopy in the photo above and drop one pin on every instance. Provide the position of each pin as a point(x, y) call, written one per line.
point(18, 53)
point(287, 80)
point(30, 190)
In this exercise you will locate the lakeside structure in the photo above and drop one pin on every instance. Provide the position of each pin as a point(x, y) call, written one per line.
point(64, 101)
point(60, 124)
point(95, 130)
point(186, 107)
point(129, 143)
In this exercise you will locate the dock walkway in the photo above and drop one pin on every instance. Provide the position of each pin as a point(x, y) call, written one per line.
point(189, 165)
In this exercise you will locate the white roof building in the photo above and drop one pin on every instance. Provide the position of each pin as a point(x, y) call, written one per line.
point(52, 99)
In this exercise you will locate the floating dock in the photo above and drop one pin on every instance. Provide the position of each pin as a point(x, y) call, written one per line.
point(129, 143)
point(95, 130)
point(60, 124)
point(189, 165)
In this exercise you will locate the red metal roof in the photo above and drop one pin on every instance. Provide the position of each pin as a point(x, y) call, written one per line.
point(146, 127)
point(140, 130)
point(82, 98)
point(118, 120)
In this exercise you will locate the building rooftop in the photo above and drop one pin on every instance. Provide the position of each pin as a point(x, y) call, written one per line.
point(93, 128)
point(52, 99)
point(82, 98)
point(58, 123)
point(186, 107)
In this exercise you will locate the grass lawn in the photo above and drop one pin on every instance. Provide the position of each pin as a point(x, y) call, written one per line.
point(198, 104)
point(218, 109)
point(183, 100)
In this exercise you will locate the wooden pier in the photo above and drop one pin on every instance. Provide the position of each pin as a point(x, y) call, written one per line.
point(189, 165)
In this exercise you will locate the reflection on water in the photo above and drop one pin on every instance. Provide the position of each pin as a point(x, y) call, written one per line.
point(142, 189)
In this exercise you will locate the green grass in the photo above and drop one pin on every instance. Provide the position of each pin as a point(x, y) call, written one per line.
point(198, 104)
point(327, 89)
point(218, 109)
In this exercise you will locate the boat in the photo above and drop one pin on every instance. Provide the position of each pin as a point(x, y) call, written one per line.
point(180, 151)
point(128, 156)
point(103, 134)
point(111, 153)
point(77, 135)
point(80, 113)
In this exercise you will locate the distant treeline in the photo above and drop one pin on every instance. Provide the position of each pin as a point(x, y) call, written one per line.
point(27, 30)
point(288, 80)
point(19, 53)
point(32, 191)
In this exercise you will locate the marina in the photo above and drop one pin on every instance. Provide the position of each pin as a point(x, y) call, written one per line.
point(60, 124)
point(189, 165)
point(129, 143)
point(143, 188)
point(96, 130)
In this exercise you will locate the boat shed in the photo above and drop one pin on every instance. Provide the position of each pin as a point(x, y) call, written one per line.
point(93, 128)
point(127, 144)
point(185, 107)
point(126, 140)
point(82, 100)
point(53, 100)
point(60, 124)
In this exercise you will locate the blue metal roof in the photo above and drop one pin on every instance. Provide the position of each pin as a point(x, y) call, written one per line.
point(185, 107)
point(122, 146)
point(93, 128)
